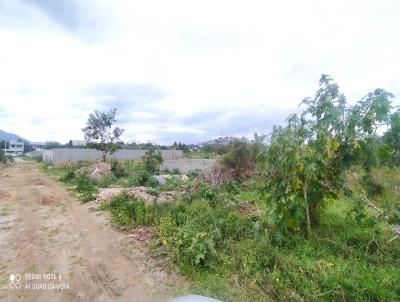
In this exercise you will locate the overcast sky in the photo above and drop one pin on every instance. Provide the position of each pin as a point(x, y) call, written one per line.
point(185, 70)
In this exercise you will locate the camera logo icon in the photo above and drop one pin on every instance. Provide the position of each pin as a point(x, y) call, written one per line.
point(15, 281)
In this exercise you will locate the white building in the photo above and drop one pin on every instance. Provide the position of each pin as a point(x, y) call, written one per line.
point(15, 148)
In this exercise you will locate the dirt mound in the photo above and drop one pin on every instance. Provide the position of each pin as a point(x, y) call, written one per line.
point(106, 194)
point(140, 192)
point(97, 170)
point(47, 199)
point(168, 196)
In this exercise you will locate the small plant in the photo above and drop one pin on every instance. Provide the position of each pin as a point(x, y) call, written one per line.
point(107, 181)
point(140, 178)
point(152, 160)
point(69, 176)
point(153, 191)
point(208, 193)
point(128, 210)
point(172, 184)
point(117, 168)
point(232, 186)
point(5, 158)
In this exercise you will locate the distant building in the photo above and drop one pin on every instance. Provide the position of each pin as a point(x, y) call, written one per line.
point(38, 145)
point(15, 148)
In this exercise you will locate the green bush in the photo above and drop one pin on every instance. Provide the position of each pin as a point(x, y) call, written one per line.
point(140, 178)
point(5, 158)
point(172, 184)
point(241, 159)
point(87, 187)
point(107, 181)
point(84, 185)
point(232, 186)
point(69, 175)
point(118, 169)
point(128, 210)
point(152, 160)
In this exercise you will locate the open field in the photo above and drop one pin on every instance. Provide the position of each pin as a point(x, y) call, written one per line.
point(220, 239)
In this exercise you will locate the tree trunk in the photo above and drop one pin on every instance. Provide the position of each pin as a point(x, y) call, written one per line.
point(308, 221)
point(308, 230)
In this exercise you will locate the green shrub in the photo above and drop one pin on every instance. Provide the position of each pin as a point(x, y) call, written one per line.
point(191, 241)
point(117, 168)
point(241, 159)
point(193, 174)
point(86, 186)
point(232, 186)
point(152, 191)
point(152, 160)
point(127, 210)
point(107, 181)
point(172, 184)
point(69, 175)
point(208, 193)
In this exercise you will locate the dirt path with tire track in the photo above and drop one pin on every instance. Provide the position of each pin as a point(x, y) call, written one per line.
point(45, 231)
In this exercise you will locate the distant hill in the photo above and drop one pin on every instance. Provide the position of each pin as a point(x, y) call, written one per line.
point(10, 136)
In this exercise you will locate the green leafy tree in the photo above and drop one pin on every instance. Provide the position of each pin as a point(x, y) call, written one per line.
point(306, 161)
point(100, 134)
point(392, 139)
point(52, 144)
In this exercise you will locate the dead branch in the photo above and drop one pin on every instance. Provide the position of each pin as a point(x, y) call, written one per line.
point(370, 204)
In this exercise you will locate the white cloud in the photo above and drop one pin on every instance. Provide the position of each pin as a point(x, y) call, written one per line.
point(203, 56)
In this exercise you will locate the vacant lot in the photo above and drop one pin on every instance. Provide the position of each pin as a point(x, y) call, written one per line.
point(43, 230)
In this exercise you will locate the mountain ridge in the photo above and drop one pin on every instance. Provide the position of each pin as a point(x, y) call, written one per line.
point(10, 136)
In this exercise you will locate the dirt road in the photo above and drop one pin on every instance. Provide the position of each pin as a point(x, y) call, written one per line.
point(55, 249)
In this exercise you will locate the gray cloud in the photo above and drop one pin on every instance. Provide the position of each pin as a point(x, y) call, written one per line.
point(127, 98)
point(238, 122)
point(85, 19)
point(125, 95)
point(64, 12)
point(212, 124)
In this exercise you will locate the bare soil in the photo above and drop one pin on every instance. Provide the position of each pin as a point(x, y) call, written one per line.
point(44, 230)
